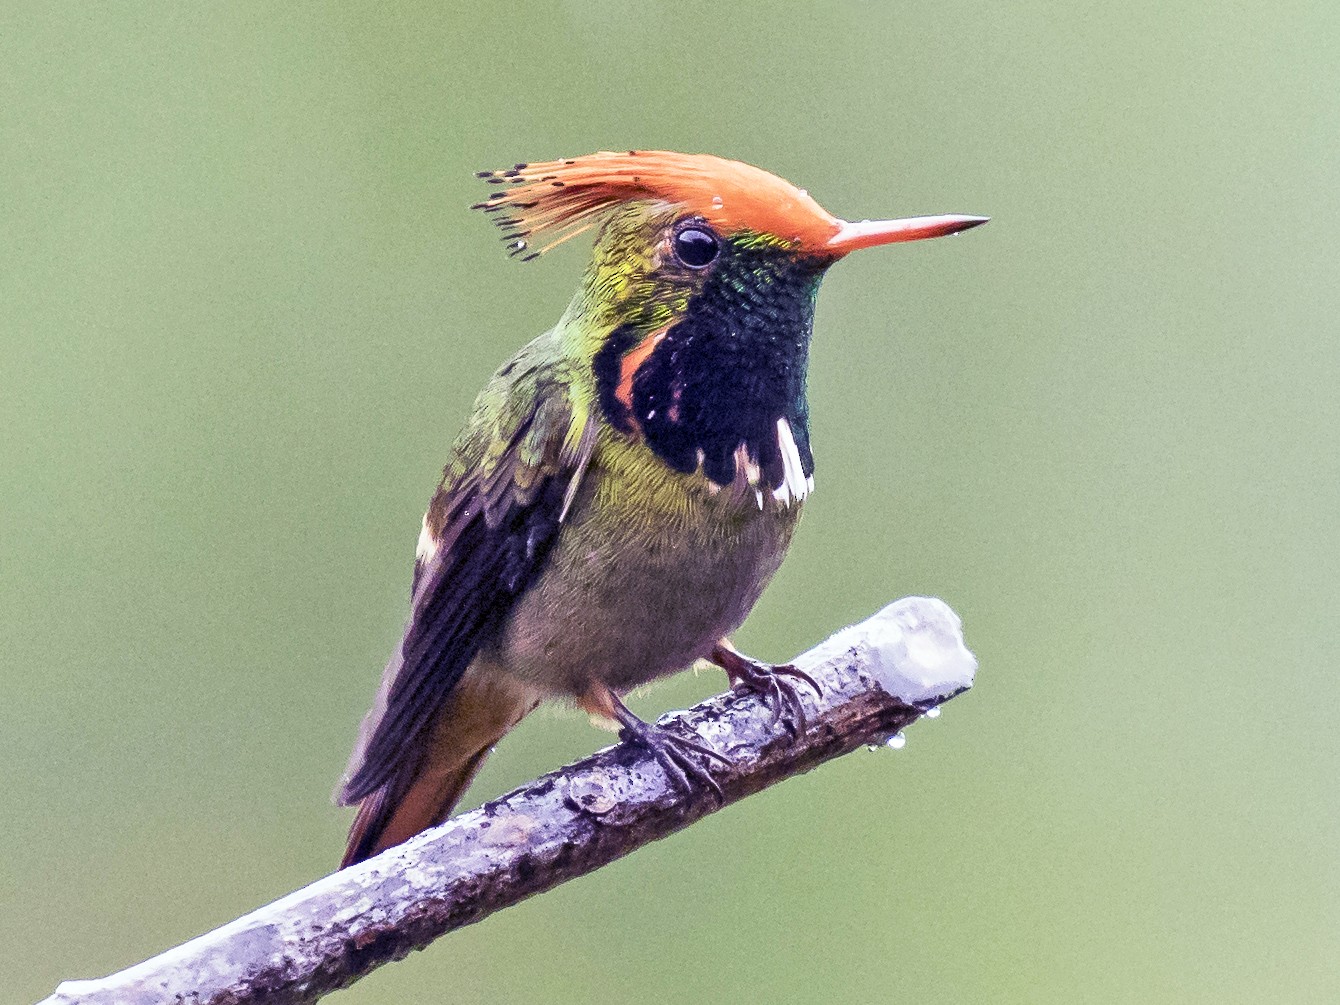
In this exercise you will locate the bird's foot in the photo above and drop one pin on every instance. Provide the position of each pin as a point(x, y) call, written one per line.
point(672, 752)
point(775, 684)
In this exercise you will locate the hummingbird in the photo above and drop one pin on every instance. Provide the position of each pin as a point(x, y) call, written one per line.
point(626, 485)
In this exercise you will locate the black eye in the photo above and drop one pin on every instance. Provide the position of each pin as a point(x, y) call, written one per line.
point(696, 247)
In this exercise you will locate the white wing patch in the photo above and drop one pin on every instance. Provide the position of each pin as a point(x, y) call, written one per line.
point(795, 486)
point(427, 547)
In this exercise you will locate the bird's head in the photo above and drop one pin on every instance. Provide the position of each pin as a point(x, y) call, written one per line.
point(697, 307)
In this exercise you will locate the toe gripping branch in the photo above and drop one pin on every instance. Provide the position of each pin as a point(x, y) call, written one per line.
point(776, 685)
point(672, 751)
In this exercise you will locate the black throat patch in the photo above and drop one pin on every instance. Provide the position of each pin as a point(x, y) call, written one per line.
point(726, 371)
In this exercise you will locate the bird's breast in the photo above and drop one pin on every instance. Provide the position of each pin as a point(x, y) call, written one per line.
point(651, 568)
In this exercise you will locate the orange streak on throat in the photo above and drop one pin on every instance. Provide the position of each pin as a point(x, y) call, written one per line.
point(629, 366)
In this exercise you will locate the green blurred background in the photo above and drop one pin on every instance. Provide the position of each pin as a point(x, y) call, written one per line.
point(243, 310)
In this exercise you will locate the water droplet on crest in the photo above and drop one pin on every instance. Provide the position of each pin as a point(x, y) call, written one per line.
point(896, 742)
point(932, 713)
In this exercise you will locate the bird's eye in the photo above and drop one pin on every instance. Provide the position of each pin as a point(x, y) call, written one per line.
point(696, 247)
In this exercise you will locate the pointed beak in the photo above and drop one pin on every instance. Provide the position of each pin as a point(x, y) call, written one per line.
point(869, 233)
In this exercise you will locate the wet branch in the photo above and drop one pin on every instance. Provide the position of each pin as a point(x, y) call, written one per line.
point(877, 677)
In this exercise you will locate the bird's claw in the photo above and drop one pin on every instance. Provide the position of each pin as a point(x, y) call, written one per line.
point(672, 753)
point(772, 684)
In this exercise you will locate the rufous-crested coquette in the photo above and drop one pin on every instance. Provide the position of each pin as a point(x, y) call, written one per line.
point(627, 483)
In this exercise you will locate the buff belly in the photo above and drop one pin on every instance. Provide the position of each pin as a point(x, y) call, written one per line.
point(650, 571)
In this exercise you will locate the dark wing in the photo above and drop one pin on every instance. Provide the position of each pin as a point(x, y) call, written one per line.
point(491, 525)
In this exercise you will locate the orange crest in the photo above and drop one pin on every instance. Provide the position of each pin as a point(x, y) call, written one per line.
point(558, 200)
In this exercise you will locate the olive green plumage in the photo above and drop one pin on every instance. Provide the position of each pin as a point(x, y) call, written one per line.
point(652, 566)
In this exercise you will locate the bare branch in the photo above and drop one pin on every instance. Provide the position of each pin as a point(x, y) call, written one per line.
point(877, 677)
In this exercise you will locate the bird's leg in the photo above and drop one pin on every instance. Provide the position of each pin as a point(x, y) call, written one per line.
point(774, 683)
point(672, 752)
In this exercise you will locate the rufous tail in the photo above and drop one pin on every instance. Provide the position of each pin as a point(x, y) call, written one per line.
point(481, 709)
